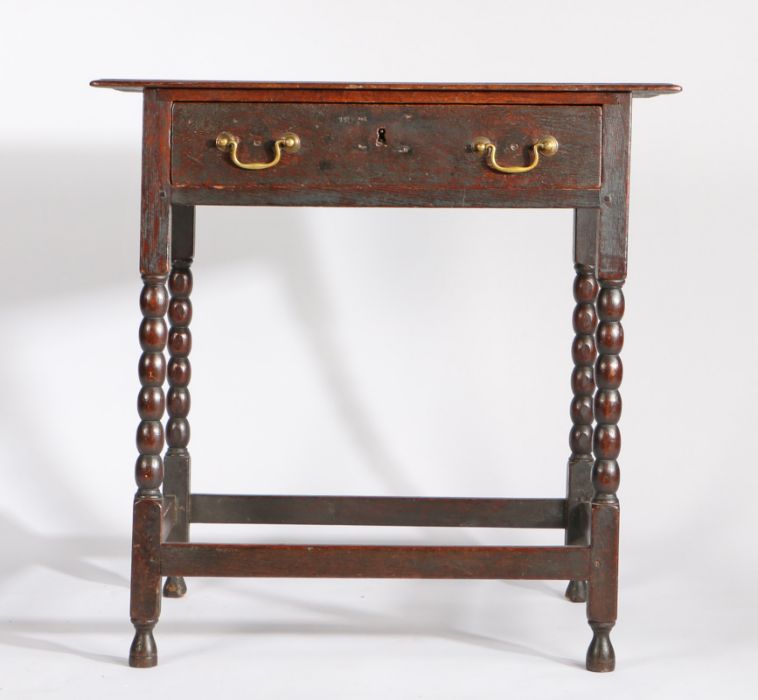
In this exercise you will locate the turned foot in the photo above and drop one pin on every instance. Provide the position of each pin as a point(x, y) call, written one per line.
point(143, 653)
point(600, 656)
point(175, 587)
point(576, 591)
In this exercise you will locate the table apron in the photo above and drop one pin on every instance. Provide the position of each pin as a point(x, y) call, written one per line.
point(394, 197)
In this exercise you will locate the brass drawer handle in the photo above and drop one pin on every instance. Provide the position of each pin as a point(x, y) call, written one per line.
point(290, 143)
point(547, 145)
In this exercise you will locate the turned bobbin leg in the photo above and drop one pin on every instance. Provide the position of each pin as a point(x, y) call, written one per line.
point(612, 237)
point(146, 574)
point(145, 604)
point(603, 582)
point(583, 354)
point(177, 462)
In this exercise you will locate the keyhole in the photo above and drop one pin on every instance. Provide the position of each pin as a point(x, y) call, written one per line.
point(381, 137)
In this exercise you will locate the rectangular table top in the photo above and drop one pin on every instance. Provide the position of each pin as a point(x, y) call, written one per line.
point(636, 89)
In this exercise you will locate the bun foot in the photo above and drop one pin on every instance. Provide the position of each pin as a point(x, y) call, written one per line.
point(175, 587)
point(143, 653)
point(601, 657)
point(576, 591)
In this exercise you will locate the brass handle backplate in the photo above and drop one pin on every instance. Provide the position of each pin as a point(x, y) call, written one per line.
point(289, 143)
point(548, 145)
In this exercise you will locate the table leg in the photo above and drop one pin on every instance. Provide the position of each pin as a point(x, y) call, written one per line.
point(603, 582)
point(177, 461)
point(579, 481)
point(146, 574)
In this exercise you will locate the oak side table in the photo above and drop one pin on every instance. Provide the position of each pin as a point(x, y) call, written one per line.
point(381, 145)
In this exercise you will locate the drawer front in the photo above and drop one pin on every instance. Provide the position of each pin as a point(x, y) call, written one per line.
point(418, 150)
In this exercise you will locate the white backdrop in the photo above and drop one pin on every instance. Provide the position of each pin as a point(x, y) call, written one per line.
point(402, 352)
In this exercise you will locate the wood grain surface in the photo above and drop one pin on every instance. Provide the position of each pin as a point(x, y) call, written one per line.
point(413, 152)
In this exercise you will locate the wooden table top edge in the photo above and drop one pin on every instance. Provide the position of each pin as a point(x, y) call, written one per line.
point(636, 89)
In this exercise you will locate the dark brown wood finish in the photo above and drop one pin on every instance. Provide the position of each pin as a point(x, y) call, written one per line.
point(373, 147)
point(401, 90)
point(603, 581)
point(602, 593)
point(177, 463)
point(148, 520)
point(380, 510)
point(168, 517)
point(383, 96)
point(382, 144)
point(583, 354)
point(614, 200)
point(156, 189)
point(361, 561)
point(387, 197)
